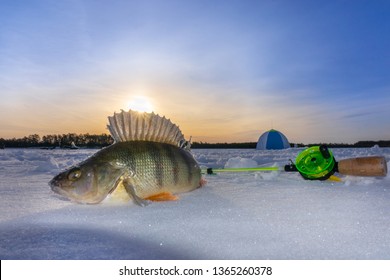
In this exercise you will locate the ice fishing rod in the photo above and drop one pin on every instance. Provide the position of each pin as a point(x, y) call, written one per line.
point(318, 163)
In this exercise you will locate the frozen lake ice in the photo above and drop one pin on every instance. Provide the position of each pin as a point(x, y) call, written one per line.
point(262, 215)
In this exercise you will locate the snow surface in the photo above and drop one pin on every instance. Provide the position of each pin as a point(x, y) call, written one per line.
point(263, 215)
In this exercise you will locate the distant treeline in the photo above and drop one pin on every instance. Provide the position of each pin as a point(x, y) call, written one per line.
point(58, 140)
point(360, 144)
point(202, 145)
point(252, 145)
point(102, 140)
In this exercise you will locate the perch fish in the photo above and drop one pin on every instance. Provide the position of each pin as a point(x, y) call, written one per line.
point(150, 160)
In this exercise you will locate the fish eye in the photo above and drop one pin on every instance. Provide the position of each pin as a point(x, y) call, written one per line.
point(74, 174)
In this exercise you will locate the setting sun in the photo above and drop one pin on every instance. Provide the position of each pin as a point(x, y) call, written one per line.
point(140, 104)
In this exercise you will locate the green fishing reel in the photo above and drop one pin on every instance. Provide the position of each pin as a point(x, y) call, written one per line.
point(314, 163)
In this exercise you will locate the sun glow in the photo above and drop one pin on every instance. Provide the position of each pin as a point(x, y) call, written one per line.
point(140, 104)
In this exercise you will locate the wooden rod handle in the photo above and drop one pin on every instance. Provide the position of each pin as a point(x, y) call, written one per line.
point(364, 166)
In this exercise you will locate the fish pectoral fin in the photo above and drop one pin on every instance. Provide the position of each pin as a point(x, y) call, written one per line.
point(335, 178)
point(131, 191)
point(164, 196)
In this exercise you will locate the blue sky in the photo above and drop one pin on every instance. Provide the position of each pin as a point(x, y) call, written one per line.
point(319, 71)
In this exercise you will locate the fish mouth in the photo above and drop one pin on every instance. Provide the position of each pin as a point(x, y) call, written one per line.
point(58, 190)
point(54, 184)
point(63, 194)
point(56, 187)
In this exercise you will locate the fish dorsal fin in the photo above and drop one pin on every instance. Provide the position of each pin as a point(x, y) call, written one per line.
point(136, 126)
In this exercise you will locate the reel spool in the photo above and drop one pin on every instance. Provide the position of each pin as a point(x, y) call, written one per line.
point(316, 163)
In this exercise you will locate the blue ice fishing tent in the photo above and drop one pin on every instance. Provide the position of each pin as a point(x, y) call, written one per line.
point(272, 140)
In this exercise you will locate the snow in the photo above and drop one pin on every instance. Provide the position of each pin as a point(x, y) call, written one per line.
point(261, 215)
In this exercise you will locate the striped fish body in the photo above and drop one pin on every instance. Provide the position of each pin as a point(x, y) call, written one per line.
point(152, 168)
point(150, 160)
point(143, 168)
